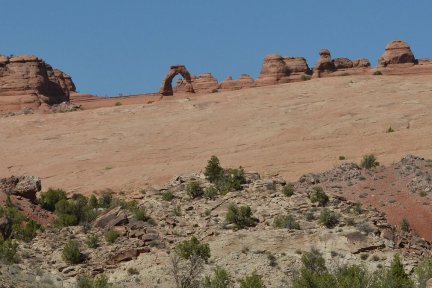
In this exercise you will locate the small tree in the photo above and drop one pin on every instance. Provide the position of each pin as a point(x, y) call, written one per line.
point(188, 248)
point(50, 198)
point(423, 273)
point(213, 170)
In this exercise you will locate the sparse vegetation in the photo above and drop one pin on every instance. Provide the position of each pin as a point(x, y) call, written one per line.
point(132, 271)
point(101, 281)
point(369, 161)
point(287, 222)
point(51, 197)
point(241, 217)
point(71, 253)
point(225, 179)
point(305, 77)
point(167, 196)
point(8, 250)
point(194, 189)
point(318, 195)
point(253, 280)
point(342, 158)
point(377, 73)
point(390, 130)
point(111, 235)
point(211, 192)
point(92, 241)
point(220, 279)
point(189, 248)
point(328, 218)
point(213, 171)
point(288, 190)
point(405, 226)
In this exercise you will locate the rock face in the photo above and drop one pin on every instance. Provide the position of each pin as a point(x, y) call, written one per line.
point(203, 83)
point(343, 63)
point(27, 82)
point(277, 69)
point(25, 186)
point(397, 52)
point(244, 81)
point(166, 88)
point(324, 64)
point(361, 63)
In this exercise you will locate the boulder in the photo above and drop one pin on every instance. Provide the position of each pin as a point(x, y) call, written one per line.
point(361, 63)
point(244, 81)
point(343, 63)
point(24, 186)
point(397, 52)
point(27, 81)
point(111, 218)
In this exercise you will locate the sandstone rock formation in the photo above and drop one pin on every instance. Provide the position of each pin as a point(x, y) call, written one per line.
point(397, 52)
point(244, 81)
point(27, 82)
point(361, 63)
point(343, 63)
point(324, 64)
point(166, 88)
point(203, 83)
point(277, 70)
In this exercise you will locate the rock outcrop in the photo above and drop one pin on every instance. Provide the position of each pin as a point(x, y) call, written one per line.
point(397, 52)
point(324, 64)
point(343, 63)
point(24, 186)
point(244, 81)
point(28, 82)
point(277, 70)
point(361, 63)
point(204, 83)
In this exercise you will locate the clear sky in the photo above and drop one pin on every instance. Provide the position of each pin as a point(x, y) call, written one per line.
point(112, 46)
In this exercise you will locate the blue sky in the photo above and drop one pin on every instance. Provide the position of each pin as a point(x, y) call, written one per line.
point(111, 47)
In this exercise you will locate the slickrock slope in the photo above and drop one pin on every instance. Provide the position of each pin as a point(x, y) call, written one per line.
point(28, 82)
point(291, 129)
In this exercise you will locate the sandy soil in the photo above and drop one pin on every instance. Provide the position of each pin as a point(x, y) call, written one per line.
point(290, 129)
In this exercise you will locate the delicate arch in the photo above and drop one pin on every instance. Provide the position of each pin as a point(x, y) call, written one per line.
point(166, 88)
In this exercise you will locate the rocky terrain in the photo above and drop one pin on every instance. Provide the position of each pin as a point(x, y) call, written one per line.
point(361, 234)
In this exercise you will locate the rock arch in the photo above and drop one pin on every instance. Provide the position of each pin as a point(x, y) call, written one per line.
point(166, 88)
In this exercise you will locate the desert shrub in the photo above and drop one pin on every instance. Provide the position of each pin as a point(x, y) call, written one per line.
point(342, 158)
point(93, 202)
point(377, 73)
point(233, 179)
point(423, 194)
point(369, 161)
point(328, 218)
point(310, 215)
point(188, 248)
point(140, 214)
point(350, 221)
point(305, 77)
point(133, 271)
point(405, 226)
point(211, 192)
point(357, 208)
point(92, 241)
point(84, 281)
point(253, 280)
point(318, 195)
point(272, 260)
point(26, 232)
point(111, 235)
point(220, 279)
point(50, 198)
point(213, 171)
point(390, 130)
point(74, 211)
point(240, 216)
point(194, 189)
point(288, 190)
point(287, 222)
point(71, 253)
point(214, 90)
point(105, 199)
point(8, 250)
point(118, 103)
point(365, 227)
point(394, 276)
point(423, 273)
point(167, 196)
